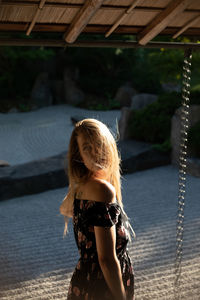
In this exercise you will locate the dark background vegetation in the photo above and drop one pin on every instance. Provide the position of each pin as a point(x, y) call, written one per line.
point(101, 72)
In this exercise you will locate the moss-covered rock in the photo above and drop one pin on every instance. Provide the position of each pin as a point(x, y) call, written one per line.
point(194, 139)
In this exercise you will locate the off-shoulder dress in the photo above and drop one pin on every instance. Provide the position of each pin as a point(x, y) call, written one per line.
point(87, 282)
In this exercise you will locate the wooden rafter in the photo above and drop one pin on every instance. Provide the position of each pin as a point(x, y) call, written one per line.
point(81, 19)
point(41, 4)
point(162, 20)
point(187, 25)
point(122, 17)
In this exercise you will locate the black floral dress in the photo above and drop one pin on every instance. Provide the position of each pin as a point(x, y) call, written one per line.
point(87, 282)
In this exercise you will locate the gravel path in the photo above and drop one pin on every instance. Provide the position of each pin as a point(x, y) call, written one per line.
point(45, 132)
point(37, 263)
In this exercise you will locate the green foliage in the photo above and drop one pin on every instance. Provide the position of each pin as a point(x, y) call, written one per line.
point(18, 69)
point(102, 70)
point(106, 103)
point(163, 147)
point(167, 63)
point(194, 139)
point(152, 123)
point(24, 107)
point(15, 53)
point(144, 76)
point(111, 104)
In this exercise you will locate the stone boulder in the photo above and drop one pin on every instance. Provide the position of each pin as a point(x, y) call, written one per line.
point(51, 173)
point(72, 93)
point(41, 94)
point(57, 87)
point(123, 123)
point(140, 101)
point(72, 73)
point(124, 95)
point(138, 156)
point(13, 110)
point(171, 87)
point(145, 160)
point(193, 166)
point(193, 118)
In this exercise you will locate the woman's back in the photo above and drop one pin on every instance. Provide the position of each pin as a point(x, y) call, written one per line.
point(88, 281)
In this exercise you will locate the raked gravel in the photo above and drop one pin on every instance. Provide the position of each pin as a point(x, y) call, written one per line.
point(44, 132)
point(37, 263)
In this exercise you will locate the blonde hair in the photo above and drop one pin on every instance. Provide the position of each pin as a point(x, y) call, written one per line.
point(107, 157)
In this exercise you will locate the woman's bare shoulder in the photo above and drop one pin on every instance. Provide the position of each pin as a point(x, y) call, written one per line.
point(101, 190)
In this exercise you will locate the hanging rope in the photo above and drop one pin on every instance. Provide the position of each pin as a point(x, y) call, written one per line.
point(182, 168)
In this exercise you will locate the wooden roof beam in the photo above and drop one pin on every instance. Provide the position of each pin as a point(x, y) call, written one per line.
point(99, 44)
point(81, 20)
point(122, 17)
point(41, 4)
point(98, 29)
point(161, 21)
point(187, 25)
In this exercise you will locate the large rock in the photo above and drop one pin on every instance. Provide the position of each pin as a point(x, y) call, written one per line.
point(124, 95)
point(193, 166)
point(13, 110)
point(34, 177)
point(41, 94)
point(123, 123)
point(138, 156)
point(50, 173)
point(193, 118)
point(72, 73)
point(145, 160)
point(57, 91)
point(171, 87)
point(140, 101)
point(72, 93)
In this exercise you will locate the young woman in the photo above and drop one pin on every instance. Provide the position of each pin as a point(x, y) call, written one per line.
point(101, 227)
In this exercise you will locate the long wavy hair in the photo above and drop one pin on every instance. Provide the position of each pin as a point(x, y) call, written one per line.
point(106, 157)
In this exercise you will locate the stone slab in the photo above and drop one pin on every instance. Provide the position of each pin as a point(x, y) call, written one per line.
point(50, 173)
point(33, 177)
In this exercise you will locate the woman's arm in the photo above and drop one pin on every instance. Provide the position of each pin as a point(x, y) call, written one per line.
point(109, 263)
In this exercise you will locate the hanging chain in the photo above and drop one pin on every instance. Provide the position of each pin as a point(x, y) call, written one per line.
point(182, 167)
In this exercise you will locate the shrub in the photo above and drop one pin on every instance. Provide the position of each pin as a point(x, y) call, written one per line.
point(152, 123)
point(93, 102)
